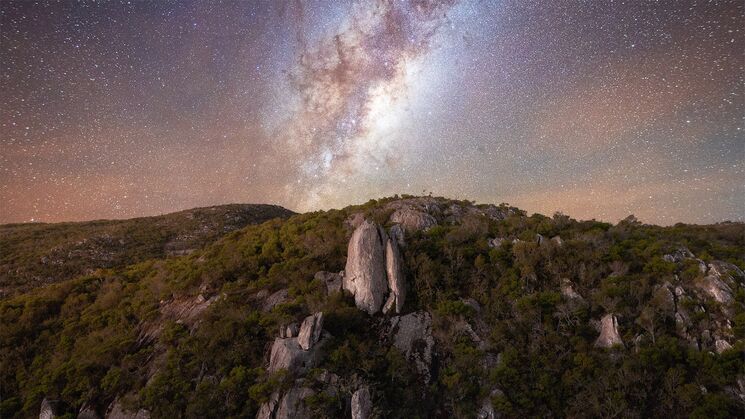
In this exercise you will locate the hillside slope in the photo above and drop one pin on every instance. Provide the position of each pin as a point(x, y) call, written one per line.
point(498, 314)
point(36, 254)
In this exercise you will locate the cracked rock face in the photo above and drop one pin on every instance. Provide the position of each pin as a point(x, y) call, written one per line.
point(608, 332)
point(412, 335)
point(310, 331)
point(396, 280)
point(361, 404)
point(365, 275)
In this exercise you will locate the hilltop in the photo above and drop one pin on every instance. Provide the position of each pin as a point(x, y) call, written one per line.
point(35, 254)
point(401, 307)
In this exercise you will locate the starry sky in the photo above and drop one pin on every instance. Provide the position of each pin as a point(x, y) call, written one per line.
point(598, 109)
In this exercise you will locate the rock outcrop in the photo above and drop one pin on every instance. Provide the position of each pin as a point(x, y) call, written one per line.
point(609, 335)
point(278, 297)
point(288, 353)
point(268, 410)
point(396, 280)
point(413, 220)
point(365, 276)
point(495, 242)
point(290, 406)
point(397, 233)
point(361, 403)
point(88, 412)
point(310, 331)
point(721, 345)
point(412, 335)
point(49, 409)
point(719, 280)
point(567, 290)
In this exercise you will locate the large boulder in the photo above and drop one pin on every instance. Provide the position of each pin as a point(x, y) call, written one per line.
point(412, 335)
point(310, 331)
point(396, 281)
point(365, 275)
point(361, 403)
point(288, 354)
point(296, 354)
point(608, 332)
point(412, 219)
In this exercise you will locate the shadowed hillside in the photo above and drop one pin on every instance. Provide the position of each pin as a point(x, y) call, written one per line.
point(36, 254)
point(401, 307)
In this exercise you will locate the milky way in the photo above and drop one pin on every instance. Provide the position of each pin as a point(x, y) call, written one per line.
point(596, 109)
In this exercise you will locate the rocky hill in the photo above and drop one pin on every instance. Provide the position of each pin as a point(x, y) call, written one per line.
point(402, 307)
point(36, 254)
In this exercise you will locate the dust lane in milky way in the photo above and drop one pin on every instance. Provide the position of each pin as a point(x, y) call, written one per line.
point(596, 109)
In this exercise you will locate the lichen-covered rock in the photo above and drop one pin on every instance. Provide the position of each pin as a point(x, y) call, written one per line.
point(292, 406)
point(412, 335)
point(608, 332)
point(361, 403)
point(310, 331)
point(365, 275)
point(333, 280)
point(396, 281)
point(413, 220)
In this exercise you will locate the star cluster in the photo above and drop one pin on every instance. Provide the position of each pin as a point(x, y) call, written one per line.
point(595, 109)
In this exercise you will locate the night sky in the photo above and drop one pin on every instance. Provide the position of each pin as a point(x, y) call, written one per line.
point(598, 109)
